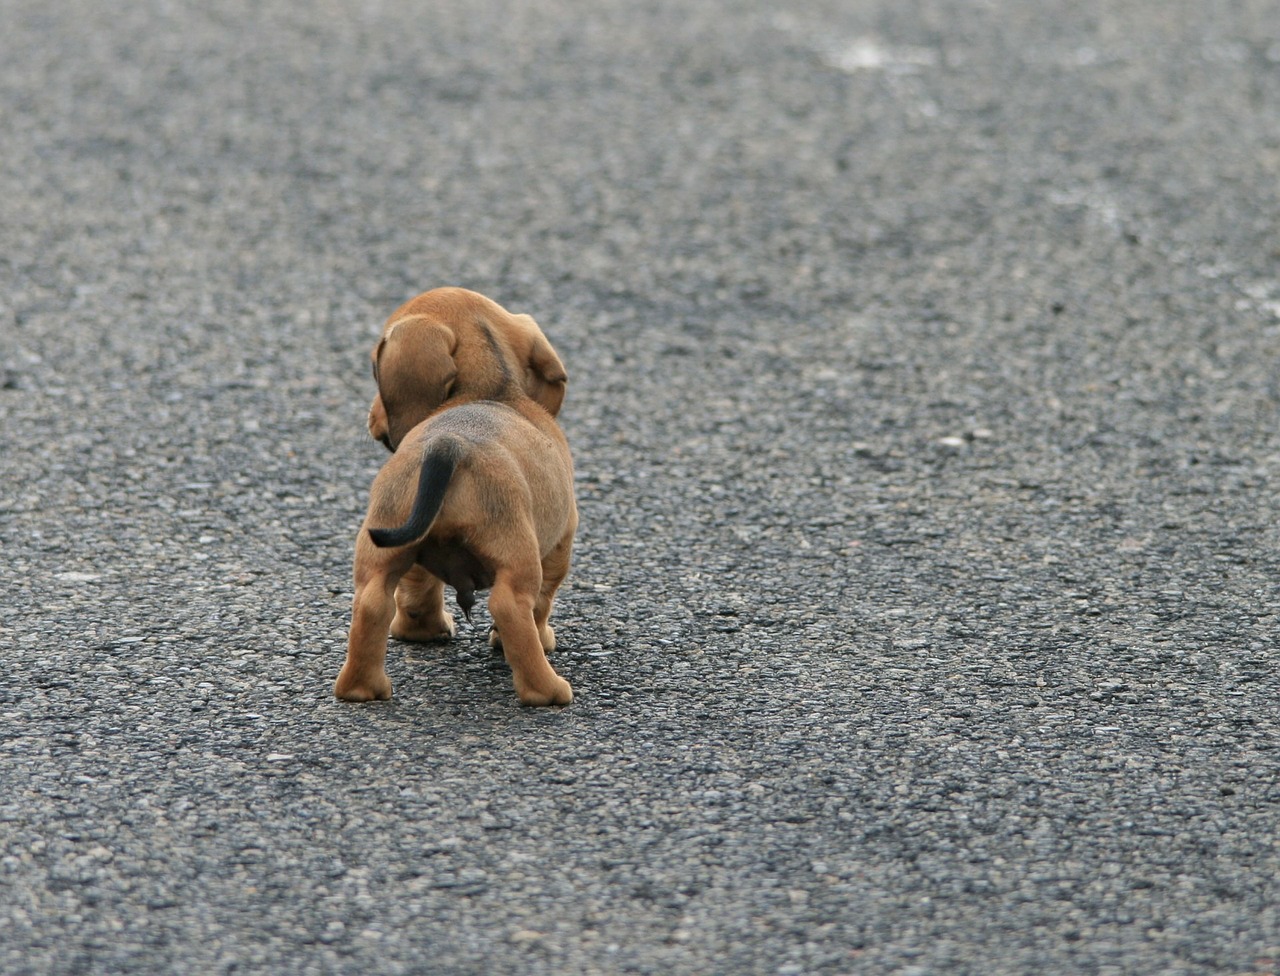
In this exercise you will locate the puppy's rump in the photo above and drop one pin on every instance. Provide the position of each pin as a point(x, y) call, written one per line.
point(438, 465)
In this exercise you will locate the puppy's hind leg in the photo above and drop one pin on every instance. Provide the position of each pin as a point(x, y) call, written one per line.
point(555, 567)
point(511, 605)
point(364, 674)
point(420, 613)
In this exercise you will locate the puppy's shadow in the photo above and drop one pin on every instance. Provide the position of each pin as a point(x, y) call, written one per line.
point(460, 658)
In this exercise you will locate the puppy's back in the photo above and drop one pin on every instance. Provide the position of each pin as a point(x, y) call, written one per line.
point(485, 461)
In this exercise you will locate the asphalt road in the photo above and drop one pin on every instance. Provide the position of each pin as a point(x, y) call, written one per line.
point(923, 394)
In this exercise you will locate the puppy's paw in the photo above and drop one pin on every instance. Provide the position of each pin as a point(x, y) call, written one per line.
point(547, 636)
point(557, 692)
point(362, 687)
point(420, 629)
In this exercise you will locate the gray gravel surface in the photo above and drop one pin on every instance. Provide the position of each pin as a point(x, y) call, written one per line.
point(924, 401)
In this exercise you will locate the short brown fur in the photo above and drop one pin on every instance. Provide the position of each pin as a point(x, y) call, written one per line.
point(441, 345)
point(468, 391)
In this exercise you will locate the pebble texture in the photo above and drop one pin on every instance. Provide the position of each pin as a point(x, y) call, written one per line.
point(924, 393)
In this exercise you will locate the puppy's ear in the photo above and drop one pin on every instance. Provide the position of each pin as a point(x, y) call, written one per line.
point(544, 374)
point(415, 370)
point(379, 427)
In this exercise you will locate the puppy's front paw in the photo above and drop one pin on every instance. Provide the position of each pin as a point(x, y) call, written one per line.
point(547, 636)
point(420, 629)
point(362, 688)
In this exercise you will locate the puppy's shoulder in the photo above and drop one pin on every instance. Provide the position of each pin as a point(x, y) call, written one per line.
point(481, 420)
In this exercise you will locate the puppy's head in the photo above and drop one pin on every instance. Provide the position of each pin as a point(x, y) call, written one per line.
point(452, 343)
point(415, 372)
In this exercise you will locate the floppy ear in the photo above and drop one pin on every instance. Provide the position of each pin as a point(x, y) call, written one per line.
point(544, 374)
point(415, 370)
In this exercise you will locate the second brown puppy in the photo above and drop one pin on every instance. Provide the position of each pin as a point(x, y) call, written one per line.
point(453, 343)
point(477, 495)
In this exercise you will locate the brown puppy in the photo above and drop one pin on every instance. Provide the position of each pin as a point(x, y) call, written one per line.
point(481, 491)
point(450, 342)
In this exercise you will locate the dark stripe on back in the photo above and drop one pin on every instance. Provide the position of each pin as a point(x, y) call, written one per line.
point(500, 355)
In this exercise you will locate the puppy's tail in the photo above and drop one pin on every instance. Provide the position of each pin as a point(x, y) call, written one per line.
point(437, 469)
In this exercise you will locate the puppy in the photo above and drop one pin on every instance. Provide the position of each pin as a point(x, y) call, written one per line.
point(453, 342)
point(479, 490)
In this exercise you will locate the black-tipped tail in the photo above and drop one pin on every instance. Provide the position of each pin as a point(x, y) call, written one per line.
point(437, 470)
